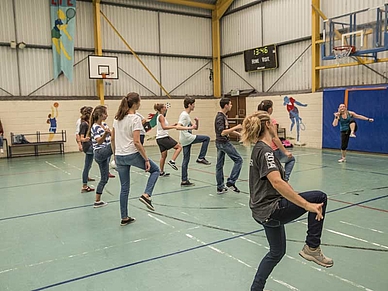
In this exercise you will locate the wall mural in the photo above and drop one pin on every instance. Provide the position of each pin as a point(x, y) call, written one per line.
point(52, 120)
point(295, 118)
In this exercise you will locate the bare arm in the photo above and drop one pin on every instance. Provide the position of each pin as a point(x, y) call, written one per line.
point(196, 123)
point(359, 116)
point(112, 142)
point(287, 192)
point(336, 118)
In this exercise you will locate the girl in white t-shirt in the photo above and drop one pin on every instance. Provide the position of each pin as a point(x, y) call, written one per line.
point(129, 151)
point(164, 141)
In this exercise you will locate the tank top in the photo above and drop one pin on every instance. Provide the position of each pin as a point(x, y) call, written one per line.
point(344, 122)
point(160, 132)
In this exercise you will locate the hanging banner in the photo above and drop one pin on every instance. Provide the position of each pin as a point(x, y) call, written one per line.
point(62, 36)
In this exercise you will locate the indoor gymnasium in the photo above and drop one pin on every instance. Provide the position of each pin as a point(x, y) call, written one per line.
point(193, 145)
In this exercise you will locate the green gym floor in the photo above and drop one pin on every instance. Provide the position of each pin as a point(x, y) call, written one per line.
point(53, 239)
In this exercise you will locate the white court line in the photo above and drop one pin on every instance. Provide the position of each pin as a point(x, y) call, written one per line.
point(240, 261)
point(92, 252)
point(352, 237)
point(310, 265)
point(355, 225)
point(54, 166)
point(161, 221)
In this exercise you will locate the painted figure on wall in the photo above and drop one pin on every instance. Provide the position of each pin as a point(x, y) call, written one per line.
point(293, 112)
point(52, 120)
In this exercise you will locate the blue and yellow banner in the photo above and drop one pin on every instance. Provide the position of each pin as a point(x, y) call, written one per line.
point(62, 35)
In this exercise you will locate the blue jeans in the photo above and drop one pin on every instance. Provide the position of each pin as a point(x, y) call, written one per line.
point(102, 156)
point(230, 150)
point(289, 163)
point(124, 164)
point(87, 165)
point(276, 235)
point(187, 150)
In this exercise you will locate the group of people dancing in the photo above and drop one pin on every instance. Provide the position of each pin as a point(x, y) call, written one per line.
point(273, 202)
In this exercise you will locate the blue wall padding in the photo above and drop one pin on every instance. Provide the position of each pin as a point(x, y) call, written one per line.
point(371, 136)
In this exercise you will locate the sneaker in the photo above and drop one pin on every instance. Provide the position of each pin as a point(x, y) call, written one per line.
point(99, 204)
point(316, 256)
point(172, 164)
point(222, 190)
point(111, 176)
point(164, 174)
point(342, 160)
point(187, 183)
point(232, 187)
point(128, 221)
point(352, 135)
point(2, 151)
point(203, 161)
point(147, 202)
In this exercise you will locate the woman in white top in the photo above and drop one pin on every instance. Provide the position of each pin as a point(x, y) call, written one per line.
point(129, 151)
point(164, 141)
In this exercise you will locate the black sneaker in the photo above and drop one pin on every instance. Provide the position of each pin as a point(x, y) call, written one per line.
point(222, 190)
point(147, 202)
point(128, 221)
point(99, 204)
point(164, 174)
point(203, 161)
point(187, 183)
point(232, 187)
point(172, 164)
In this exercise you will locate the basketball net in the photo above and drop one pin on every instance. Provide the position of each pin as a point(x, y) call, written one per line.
point(342, 53)
point(106, 77)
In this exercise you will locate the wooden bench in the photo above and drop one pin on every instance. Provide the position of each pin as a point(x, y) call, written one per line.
point(36, 144)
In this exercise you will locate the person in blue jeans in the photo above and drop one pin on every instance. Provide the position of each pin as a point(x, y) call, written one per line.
point(224, 146)
point(129, 151)
point(274, 203)
point(87, 148)
point(101, 139)
point(281, 153)
point(187, 138)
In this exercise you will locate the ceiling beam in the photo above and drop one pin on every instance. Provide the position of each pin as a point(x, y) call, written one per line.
point(222, 6)
point(190, 3)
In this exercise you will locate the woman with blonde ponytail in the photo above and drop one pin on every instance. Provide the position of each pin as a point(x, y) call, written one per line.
point(129, 151)
point(274, 202)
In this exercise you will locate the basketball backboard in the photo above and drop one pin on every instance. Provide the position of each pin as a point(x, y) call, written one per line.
point(364, 30)
point(102, 67)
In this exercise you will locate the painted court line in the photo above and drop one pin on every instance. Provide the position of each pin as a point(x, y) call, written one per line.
point(181, 252)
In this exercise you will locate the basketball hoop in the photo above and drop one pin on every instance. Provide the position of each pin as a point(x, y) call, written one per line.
point(105, 77)
point(342, 52)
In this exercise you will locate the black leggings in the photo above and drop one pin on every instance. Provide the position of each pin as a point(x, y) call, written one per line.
point(345, 136)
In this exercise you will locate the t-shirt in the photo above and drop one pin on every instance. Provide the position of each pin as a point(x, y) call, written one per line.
point(83, 129)
point(77, 126)
point(221, 123)
point(160, 132)
point(186, 137)
point(263, 196)
point(97, 131)
point(142, 131)
point(124, 134)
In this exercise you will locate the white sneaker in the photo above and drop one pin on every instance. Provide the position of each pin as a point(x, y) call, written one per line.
point(342, 160)
point(352, 135)
point(2, 151)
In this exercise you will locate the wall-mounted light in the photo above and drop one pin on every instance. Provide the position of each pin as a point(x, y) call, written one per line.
point(14, 45)
point(21, 45)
